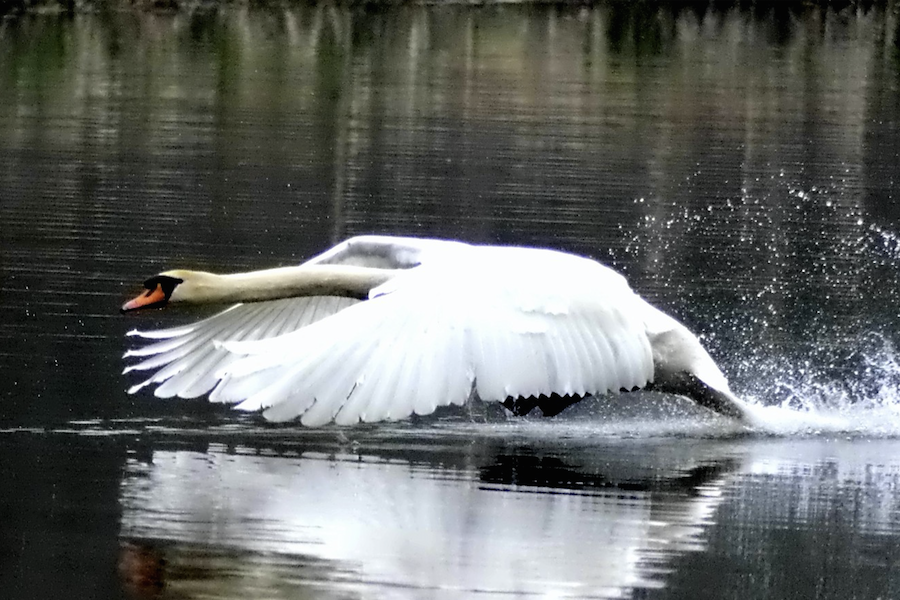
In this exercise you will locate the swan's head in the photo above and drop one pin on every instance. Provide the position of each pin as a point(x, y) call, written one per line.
point(158, 293)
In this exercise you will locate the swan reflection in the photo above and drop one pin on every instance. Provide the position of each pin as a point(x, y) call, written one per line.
point(238, 521)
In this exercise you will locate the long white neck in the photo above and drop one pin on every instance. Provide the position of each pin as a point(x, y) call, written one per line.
point(284, 282)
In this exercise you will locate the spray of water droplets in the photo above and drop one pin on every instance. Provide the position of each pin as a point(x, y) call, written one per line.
point(795, 294)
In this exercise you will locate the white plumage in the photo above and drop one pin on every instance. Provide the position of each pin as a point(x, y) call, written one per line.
point(448, 319)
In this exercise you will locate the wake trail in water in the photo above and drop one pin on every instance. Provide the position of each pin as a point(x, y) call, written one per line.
point(858, 420)
point(863, 420)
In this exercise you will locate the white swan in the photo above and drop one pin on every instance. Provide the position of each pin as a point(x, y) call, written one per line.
point(378, 328)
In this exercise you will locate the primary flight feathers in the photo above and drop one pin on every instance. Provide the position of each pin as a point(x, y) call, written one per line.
point(378, 328)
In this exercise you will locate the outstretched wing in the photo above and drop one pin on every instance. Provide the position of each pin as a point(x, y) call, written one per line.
point(186, 359)
point(504, 324)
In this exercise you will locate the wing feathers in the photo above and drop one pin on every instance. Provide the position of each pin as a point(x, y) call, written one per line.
point(175, 361)
point(193, 366)
point(189, 359)
point(367, 363)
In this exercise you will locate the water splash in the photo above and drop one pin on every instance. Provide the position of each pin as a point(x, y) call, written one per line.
point(794, 291)
point(851, 388)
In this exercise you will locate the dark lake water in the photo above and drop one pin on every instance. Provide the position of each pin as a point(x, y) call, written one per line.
point(742, 167)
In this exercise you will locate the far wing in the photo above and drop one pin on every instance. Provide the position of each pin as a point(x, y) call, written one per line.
point(387, 252)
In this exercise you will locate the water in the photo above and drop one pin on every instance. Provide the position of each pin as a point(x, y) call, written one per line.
point(739, 166)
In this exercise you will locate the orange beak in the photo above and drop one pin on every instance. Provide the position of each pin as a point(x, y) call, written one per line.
point(148, 298)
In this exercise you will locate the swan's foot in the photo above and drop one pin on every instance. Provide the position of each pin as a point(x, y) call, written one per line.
point(550, 405)
point(690, 386)
point(520, 406)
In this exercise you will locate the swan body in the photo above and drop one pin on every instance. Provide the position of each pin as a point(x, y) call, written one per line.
point(378, 328)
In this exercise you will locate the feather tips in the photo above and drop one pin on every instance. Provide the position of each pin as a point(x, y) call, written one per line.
point(188, 358)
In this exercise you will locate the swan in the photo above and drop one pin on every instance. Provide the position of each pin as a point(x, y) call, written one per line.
point(379, 327)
